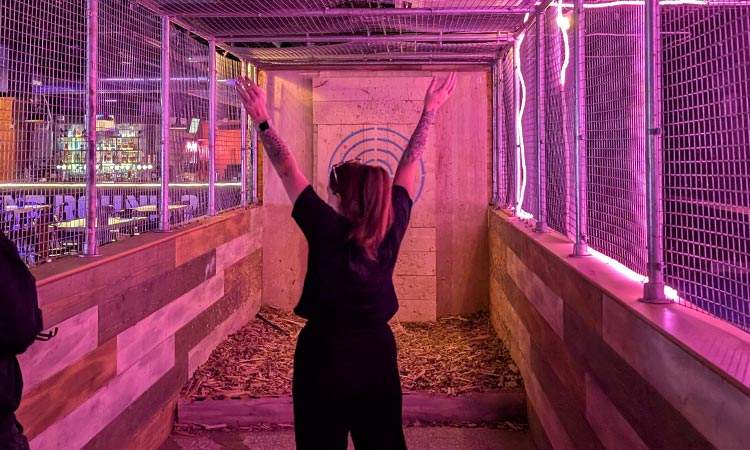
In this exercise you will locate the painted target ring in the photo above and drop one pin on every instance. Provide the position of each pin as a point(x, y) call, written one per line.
point(378, 146)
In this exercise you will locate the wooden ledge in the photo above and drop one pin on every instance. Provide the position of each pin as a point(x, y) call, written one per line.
point(69, 265)
point(718, 345)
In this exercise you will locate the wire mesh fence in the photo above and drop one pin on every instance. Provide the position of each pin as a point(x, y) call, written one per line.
point(614, 133)
point(128, 122)
point(229, 135)
point(43, 125)
point(42, 109)
point(189, 125)
point(706, 139)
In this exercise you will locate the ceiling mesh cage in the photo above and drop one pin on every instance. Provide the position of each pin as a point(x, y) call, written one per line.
point(299, 32)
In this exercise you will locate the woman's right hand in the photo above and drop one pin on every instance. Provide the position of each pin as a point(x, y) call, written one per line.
point(436, 96)
point(254, 100)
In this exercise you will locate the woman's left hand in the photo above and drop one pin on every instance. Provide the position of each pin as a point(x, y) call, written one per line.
point(254, 99)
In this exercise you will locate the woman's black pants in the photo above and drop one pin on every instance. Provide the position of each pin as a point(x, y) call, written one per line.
point(11, 434)
point(346, 380)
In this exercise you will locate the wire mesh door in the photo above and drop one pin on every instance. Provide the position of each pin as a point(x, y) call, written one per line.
point(42, 81)
point(614, 134)
point(128, 121)
point(706, 140)
point(229, 135)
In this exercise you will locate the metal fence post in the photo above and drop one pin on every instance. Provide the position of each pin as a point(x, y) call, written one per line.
point(91, 244)
point(653, 290)
point(580, 247)
point(254, 148)
point(212, 104)
point(243, 146)
point(518, 175)
point(495, 134)
point(166, 113)
point(541, 222)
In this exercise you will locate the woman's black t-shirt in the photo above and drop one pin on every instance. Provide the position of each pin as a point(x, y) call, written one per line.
point(342, 285)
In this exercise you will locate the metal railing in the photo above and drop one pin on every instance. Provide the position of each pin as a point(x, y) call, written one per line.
point(106, 126)
point(650, 104)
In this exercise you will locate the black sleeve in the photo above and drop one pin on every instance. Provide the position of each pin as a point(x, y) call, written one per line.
point(20, 317)
point(401, 211)
point(315, 217)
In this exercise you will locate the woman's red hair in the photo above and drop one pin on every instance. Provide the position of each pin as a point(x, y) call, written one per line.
point(365, 193)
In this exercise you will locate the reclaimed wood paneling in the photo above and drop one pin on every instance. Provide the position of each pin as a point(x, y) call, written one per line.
point(199, 354)
point(553, 269)
point(245, 275)
point(663, 364)
point(59, 395)
point(148, 421)
point(663, 426)
point(566, 404)
point(120, 312)
point(164, 323)
point(67, 296)
point(546, 302)
point(77, 428)
point(536, 430)
point(76, 337)
point(229, 253)
point(613, 430)
point(553, 428)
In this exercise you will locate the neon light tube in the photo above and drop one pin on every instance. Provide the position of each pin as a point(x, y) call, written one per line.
point(669, 291)
point(521, 158)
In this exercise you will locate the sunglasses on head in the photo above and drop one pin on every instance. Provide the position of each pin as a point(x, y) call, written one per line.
point(348, 161)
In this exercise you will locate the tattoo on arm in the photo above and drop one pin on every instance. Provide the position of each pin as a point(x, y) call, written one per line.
point(418, 140)
point(277, 151)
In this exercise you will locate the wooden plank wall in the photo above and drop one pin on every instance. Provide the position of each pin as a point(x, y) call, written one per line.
point(603, 371)
point(443, 264)
point(132, 328)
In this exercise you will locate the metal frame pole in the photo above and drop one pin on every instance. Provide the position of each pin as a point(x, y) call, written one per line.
point(495, 135)
point(212, 127)
point(580, 248)
point(541, 222)
point(243, 146)
point(91, 245)
point(653, 290)
point(166, 112)
point(254, 149)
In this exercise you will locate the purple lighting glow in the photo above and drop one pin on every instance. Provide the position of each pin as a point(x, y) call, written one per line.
point(669, 292)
